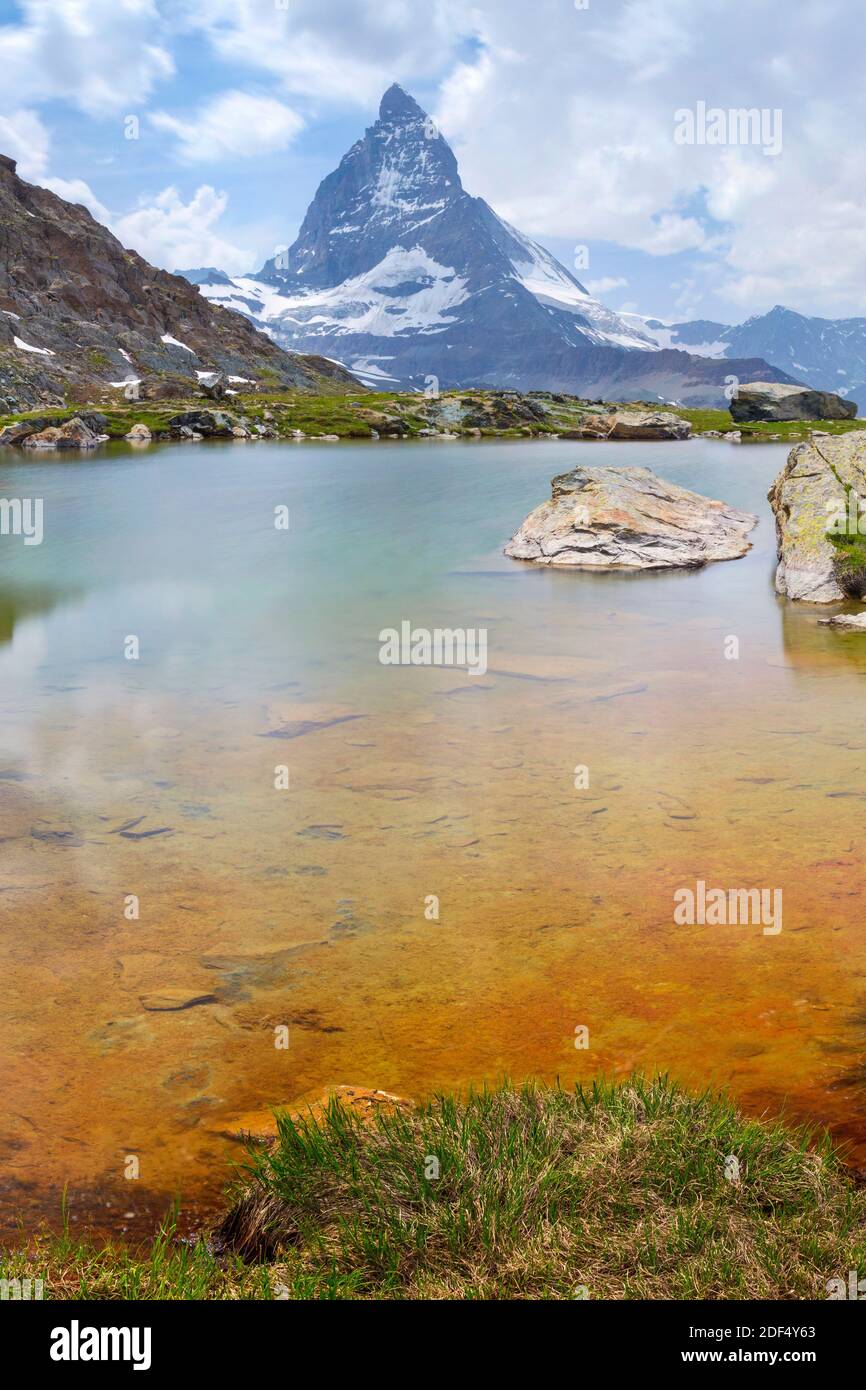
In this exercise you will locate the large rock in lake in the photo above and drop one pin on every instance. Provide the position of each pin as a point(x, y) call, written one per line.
point(772, 400)
point(808, 496)
point(627, 518)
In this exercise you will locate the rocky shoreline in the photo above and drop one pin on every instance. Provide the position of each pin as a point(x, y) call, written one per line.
point(219, 411)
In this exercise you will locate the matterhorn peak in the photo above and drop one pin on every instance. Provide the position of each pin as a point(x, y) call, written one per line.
point(397, 106)
point(409, 280)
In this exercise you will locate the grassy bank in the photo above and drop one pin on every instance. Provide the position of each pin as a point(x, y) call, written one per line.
point(767, 430)
point(610, 1191)
point(390, 415)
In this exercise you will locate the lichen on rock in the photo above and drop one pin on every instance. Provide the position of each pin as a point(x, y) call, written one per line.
point(813, 490)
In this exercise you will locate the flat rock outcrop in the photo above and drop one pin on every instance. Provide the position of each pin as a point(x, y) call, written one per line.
point(853, 622)
point(812, 490)
point(631, 424)
point(771, 400)
point(628, 518)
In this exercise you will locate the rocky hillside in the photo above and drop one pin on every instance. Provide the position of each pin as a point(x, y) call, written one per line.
point(403, 276)
point(81, 317)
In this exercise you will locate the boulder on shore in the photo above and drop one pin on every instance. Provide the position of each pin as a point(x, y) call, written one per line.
point(627, 518)
point(139, 434)
point(74, 434)
point(813, 490)
point(17, 432)
point(213, 386)
point(773, 400)
point(204, 423)
point(630, 424)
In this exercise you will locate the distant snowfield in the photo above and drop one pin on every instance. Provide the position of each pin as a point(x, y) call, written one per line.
point(666, 338)
point(429, 294)
point(366, 369)
point(363, 304)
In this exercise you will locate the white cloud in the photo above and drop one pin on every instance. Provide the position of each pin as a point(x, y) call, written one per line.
point(165, 230)
point(342, 51)
point(232, 125)
point(653, 37)
point(177, 235)
point(565, 125)
point(97, 54)
point(24, 138)
point(606, 284)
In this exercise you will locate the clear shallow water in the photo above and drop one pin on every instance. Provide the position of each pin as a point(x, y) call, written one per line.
point(306, 907)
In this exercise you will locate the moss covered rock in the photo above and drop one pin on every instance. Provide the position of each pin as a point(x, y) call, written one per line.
point(816, 501)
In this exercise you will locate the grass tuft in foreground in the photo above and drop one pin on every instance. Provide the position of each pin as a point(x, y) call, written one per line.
point(609, 1191)
point(620, 1190)
point(72, 1267)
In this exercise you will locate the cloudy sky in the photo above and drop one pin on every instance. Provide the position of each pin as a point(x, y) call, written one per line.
point(562, 114)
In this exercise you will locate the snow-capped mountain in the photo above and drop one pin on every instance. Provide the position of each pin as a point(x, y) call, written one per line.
point(401, 275)
point(826, 353)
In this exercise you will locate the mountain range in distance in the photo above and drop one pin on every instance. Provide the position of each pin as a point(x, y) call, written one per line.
point(825, 353)
point(406, 279)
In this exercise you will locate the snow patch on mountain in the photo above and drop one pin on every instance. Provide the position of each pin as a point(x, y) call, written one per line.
point(407, 292)
point(667, 335)
point(175, 342)
point(551, 284)
point(28, 347)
